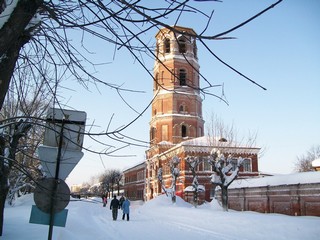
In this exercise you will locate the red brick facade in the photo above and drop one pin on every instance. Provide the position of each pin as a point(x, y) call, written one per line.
point(134, 182)
point(177, 126)
point(197, 147)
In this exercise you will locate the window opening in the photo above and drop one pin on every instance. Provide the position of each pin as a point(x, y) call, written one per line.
point(182, 77)
point(183, 131)
point(167, 45)
point(182, 45)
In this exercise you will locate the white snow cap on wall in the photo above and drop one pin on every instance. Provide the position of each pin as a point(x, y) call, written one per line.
point(316, 163)
point(285, 179)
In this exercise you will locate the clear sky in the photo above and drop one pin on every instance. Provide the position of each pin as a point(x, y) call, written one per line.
point(280, 50)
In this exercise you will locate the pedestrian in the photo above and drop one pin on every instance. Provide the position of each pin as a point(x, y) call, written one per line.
point(114, 206)
point(126, 208)
point(121, 200)
point(105, 200)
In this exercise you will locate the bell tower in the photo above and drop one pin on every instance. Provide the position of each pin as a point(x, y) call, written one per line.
point(177, 105)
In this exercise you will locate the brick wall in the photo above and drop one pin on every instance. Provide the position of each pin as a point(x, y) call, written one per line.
point(295, 199)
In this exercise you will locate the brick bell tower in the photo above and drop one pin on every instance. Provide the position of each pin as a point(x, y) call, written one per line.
point(177, 105)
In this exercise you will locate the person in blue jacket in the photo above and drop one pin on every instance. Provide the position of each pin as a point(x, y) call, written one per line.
point(125, 208)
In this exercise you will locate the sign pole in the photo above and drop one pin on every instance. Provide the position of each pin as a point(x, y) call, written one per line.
point(56, 182)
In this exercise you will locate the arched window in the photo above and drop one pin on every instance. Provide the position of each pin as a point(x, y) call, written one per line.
point(153, 134)
point(182, 77)
point(246, 164)
point(183, 131)
point(182, 45)
point(183, 108)
point(167, 45)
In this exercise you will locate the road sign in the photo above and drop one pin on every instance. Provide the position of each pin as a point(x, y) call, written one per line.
point(68, 127)
point(73, 128)
point(51, 192)
point(39, 217)
point(48, 158)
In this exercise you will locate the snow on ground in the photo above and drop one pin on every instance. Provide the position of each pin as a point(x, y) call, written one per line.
point(158, 219)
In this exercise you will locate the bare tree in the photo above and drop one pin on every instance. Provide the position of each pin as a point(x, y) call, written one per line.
point(226, 163)
point(30, 100)
point(225, 171)
point(303, 162)
point(21, 132)
point(8, 150)
point(175, 172)
point(193, 163)
point(111, 179)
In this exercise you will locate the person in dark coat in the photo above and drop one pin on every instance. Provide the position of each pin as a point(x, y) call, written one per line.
point(121, 200)
point(125, 208)
point(114, 206)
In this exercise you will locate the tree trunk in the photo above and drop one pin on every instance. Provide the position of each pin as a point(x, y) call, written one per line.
point(6, 164)
point(4, 172)
point(3, 193)
point(195, 198)
point(173, 194)
point(12, 38)
point(224, 197)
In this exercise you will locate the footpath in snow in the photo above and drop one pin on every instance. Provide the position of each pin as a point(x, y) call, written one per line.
point(158, 219)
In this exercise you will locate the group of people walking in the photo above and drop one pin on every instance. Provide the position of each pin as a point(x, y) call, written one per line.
point(123, 203)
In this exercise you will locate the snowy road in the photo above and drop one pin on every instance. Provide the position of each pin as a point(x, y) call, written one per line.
point(159, 219)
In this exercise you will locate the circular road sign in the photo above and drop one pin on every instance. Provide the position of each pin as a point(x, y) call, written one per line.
point(46, 198)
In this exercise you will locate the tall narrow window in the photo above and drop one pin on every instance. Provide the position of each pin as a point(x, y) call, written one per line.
point(153, 134)
point(247, 167)
point(182, 77)
point(206, 166)
point(156, 82)
point(167, 45)
point(182, 45)
point(183, 131)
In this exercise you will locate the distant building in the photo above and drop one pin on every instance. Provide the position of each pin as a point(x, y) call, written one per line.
point(75, 188)
point(316, 164)
point(177, 126)
point(134, 181)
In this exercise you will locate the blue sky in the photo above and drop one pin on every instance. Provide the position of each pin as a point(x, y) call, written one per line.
point(280, 50)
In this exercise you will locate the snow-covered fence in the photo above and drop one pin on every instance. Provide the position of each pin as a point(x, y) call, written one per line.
point(296, 199)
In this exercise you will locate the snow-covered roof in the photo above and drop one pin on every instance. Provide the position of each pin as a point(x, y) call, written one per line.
point(285, 179)
point(206, 144)
point(135, 167)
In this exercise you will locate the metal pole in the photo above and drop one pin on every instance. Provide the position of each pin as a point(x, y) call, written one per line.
point(55, 185)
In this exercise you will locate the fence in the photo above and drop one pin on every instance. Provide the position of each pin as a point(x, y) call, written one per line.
point(292, 199)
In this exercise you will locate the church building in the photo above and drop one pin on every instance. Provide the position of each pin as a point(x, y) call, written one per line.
point(177, 125)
